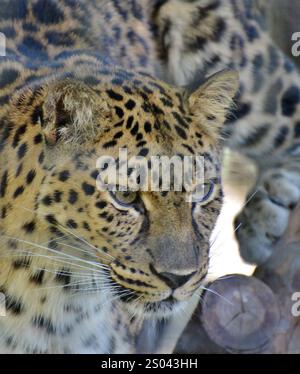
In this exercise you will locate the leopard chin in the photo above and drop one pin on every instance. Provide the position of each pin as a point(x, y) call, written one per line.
point(163, 309)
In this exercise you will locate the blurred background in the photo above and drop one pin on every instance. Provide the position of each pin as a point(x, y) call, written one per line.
point(283, 19)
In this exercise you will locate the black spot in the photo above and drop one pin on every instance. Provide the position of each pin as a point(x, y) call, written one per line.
point(72, 224)
point(73, 196)
point(3, 183)
point(22, 151)
point(129, 122)
point(147, 127)
point(119, 112)
point(56, 231)
point(242, 111)
point(88, 188)
point(57, 196)
point(92, 81)
point(43, 299)
point(60, 39)
point(141, 144)
point(4, 135)
point(13, 9)
point(86, 226)
point(47, 12)
point(290, 100)
point(109, 144)
point(119, 124)
point(47, 200)
point(139, 137)
point(189, 148)
point(281, 136)
point(252, 32)
point(51, 219)
point(135, 129)
point(64, 175)
point(114, 95)
point(44, 324)
point(63, 277)
point(9, 32)
point(101, 204)
point(38, 277)
point(256, 135)
point(180, 120)
point(20, 131)
point(41, 157)
point(22, 263)
point(103, 215)
point(3, 212)
point(19, 169)
point(130, 104)
point(297, 130)
point(53, 244)
point(143, 152)
point(196, 43)
point(32, 48)
point(30, 176)
point(110, 218)
point(219, 30)
point(166, 102)
point(181, 132)
point(156, 109)
point(94, 174)
point(19, 190)
point(29, 227)
point(118, 135)
point(36, 115)
point(7, 77)
point(13, 305)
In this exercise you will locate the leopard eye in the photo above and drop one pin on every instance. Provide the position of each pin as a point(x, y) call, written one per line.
point(205, 193)
point(125, 197)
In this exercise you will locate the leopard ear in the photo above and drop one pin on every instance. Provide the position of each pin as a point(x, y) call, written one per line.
point(213, 100)
point(72, 112)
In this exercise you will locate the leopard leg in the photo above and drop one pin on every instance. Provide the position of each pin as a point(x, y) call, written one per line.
point(265, 217)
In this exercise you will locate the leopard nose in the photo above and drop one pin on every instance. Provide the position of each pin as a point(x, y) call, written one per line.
point(173, 280)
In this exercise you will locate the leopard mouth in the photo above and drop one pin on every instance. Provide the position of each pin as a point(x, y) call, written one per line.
point(138, 303)
point(151, 309)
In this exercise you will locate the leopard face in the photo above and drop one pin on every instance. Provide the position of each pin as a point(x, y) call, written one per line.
point(149, 248)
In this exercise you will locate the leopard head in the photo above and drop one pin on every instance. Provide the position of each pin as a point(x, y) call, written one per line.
point(149, 248)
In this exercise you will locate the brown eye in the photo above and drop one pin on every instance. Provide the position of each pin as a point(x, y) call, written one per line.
point(125, 197)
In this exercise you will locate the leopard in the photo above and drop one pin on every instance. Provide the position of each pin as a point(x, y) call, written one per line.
point(77, 77)
point(82, 268)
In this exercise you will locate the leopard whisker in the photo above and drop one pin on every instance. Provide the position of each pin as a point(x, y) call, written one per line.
point(217, 294)
point(61, 259)
point(76, 236)
point(59, 253)
point(84, 241)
